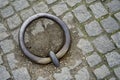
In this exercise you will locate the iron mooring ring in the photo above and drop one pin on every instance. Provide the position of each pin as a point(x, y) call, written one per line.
point(52, 56)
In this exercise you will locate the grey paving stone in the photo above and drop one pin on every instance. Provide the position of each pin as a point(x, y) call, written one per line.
point(59, 8)
point(3, 33)
point(113, 58)
point(112, 78)
point(20, 4)
point(117, 15)
point(40, 7)
point(12, 61)
point(68, 20)
point(116, 39)
point(89, 1)
point(64, 75)
point(98, 10)
point(14, 21)
point(7, 45)
point(38, 28)
point(117, 72)
point(41, 78)
point(80, 33)
point(4, 74)
point(101, 72)
point(6, 12)
point(103, 44)
point(82, 74)
point(3, 3)
point(72, 2)
point(93, 59)
point(1, 61)
point(110, 25)
point(114, 5)
point(26, 13)
point(93, 28)
point(81, 13)
point(50, 1)
point(21, 74)
point(85, 46)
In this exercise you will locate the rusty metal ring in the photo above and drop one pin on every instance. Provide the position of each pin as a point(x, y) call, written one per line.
point(38, 59)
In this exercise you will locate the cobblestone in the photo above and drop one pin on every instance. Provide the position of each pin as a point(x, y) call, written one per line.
point(113, 58)
point(103, 44)
point(112, 78)
point(14, 21)
point(3, 3)
point(7, 45)
point(68, 20)
point(85, 46)
point(82, 74)
point(1, 61)
point(110, 25)
point(93, 28)
point(3, 33)
point(50, 1)
point(81, 13)
point(114, 5)
point(116, 39)
point(89, 1)
point(98, 10)
point(26, 13)
point(20, 4)
point(72, 2)
point(8, 11)
point(117, 15)
point(93, 59)
point(11, 60)
point(21, 74)
point(41, 78)
point(64, 75)
point(60, 8)
point(117, 72)
point(4, 74)
point(104, 70)
point(40, 7)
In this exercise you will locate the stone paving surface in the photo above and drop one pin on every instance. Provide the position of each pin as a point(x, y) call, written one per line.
point(95, 32)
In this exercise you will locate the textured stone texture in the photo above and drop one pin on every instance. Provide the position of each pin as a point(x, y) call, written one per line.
point(116, 39)
point(40, 7)
point(3, 3)
point(11, 60)
point(1, 61)
point(117, 15)
point(85, 46)
point(4, 75)
point(8, 11)
point(41, 78)
point(112, 78)
point(21, 74)
point(93, 28)
point(26, 13)
point(117, 72)
point(7, 45)
point(104, 70)
point(113, 58)
point(68, 18)
point(82, 74)
point(89, 1)
point(14, 21)
point(72, 2)
point(50, 1)
point(60, 8)
point(103, 44)
point(98, 10)
point(93, 59)
point(64, 75)
point(81, 13)
point(114, 5)
point(20, 4)
point(110, 25)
